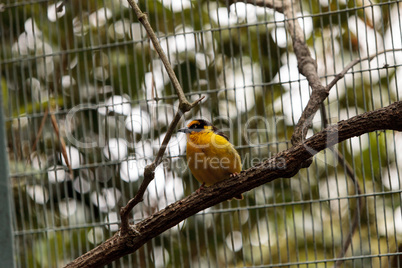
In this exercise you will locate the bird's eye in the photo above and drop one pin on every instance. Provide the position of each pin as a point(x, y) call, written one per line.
point(193, 126)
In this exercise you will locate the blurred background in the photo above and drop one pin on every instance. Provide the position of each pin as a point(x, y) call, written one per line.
point(86, 71)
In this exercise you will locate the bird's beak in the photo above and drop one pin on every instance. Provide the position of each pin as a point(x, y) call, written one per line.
point(184, 130)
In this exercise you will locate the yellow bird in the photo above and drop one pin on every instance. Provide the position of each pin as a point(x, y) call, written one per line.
point(210, 156)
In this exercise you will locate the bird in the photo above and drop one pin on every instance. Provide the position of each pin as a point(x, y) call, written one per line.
point(210, 156)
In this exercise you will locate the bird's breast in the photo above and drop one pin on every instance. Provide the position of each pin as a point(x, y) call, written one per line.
point(211, 158)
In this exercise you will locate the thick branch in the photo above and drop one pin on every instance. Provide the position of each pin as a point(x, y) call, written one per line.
point(308, 67)
point(306, 64)
point(284, 165)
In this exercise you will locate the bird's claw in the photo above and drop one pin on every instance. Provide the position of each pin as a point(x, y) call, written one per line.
point(200, 189)
point(234, 174)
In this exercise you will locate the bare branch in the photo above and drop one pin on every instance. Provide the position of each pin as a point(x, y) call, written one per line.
point(62, 143)
point(149, 173)
point(308, 67)
point(359, 207)
point(353, 63)
point(283, 165)
point(42, 125)
point(306, 64)
point(184, 106)
point(274, 4)
point(360, 200)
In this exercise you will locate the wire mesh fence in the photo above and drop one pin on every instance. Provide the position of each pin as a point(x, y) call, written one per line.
point(86, 103)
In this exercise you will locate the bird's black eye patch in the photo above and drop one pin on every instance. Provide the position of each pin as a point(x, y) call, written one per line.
point(198, 125)
point(194, 126)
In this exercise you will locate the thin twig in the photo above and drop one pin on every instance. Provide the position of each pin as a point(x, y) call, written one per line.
point(360, 201)
point(359, 206)
point(42, 124)
point(143, 18)
point(353, 63)
point(149, 173)
point(277, 5)
point(184, 106)
point(62, 143)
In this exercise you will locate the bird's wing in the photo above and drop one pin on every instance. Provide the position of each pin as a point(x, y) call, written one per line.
point(220, 133)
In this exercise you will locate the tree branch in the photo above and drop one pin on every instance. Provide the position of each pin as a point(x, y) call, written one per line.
point(283, 165)
point(308, 67)
point(149, 174)
point(142, 17)
point(357, 213)
point(360, 200)
point(306, 64)
point(353, 63)
point(184, 106)
point(277, 5)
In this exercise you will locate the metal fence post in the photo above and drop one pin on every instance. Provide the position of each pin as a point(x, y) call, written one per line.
point(6, 235)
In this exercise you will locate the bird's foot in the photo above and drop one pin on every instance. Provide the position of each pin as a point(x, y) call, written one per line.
point(234, 174)
point(239, 197)
point(200, 189)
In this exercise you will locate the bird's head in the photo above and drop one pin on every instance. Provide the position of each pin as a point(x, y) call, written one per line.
point(198, 125)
